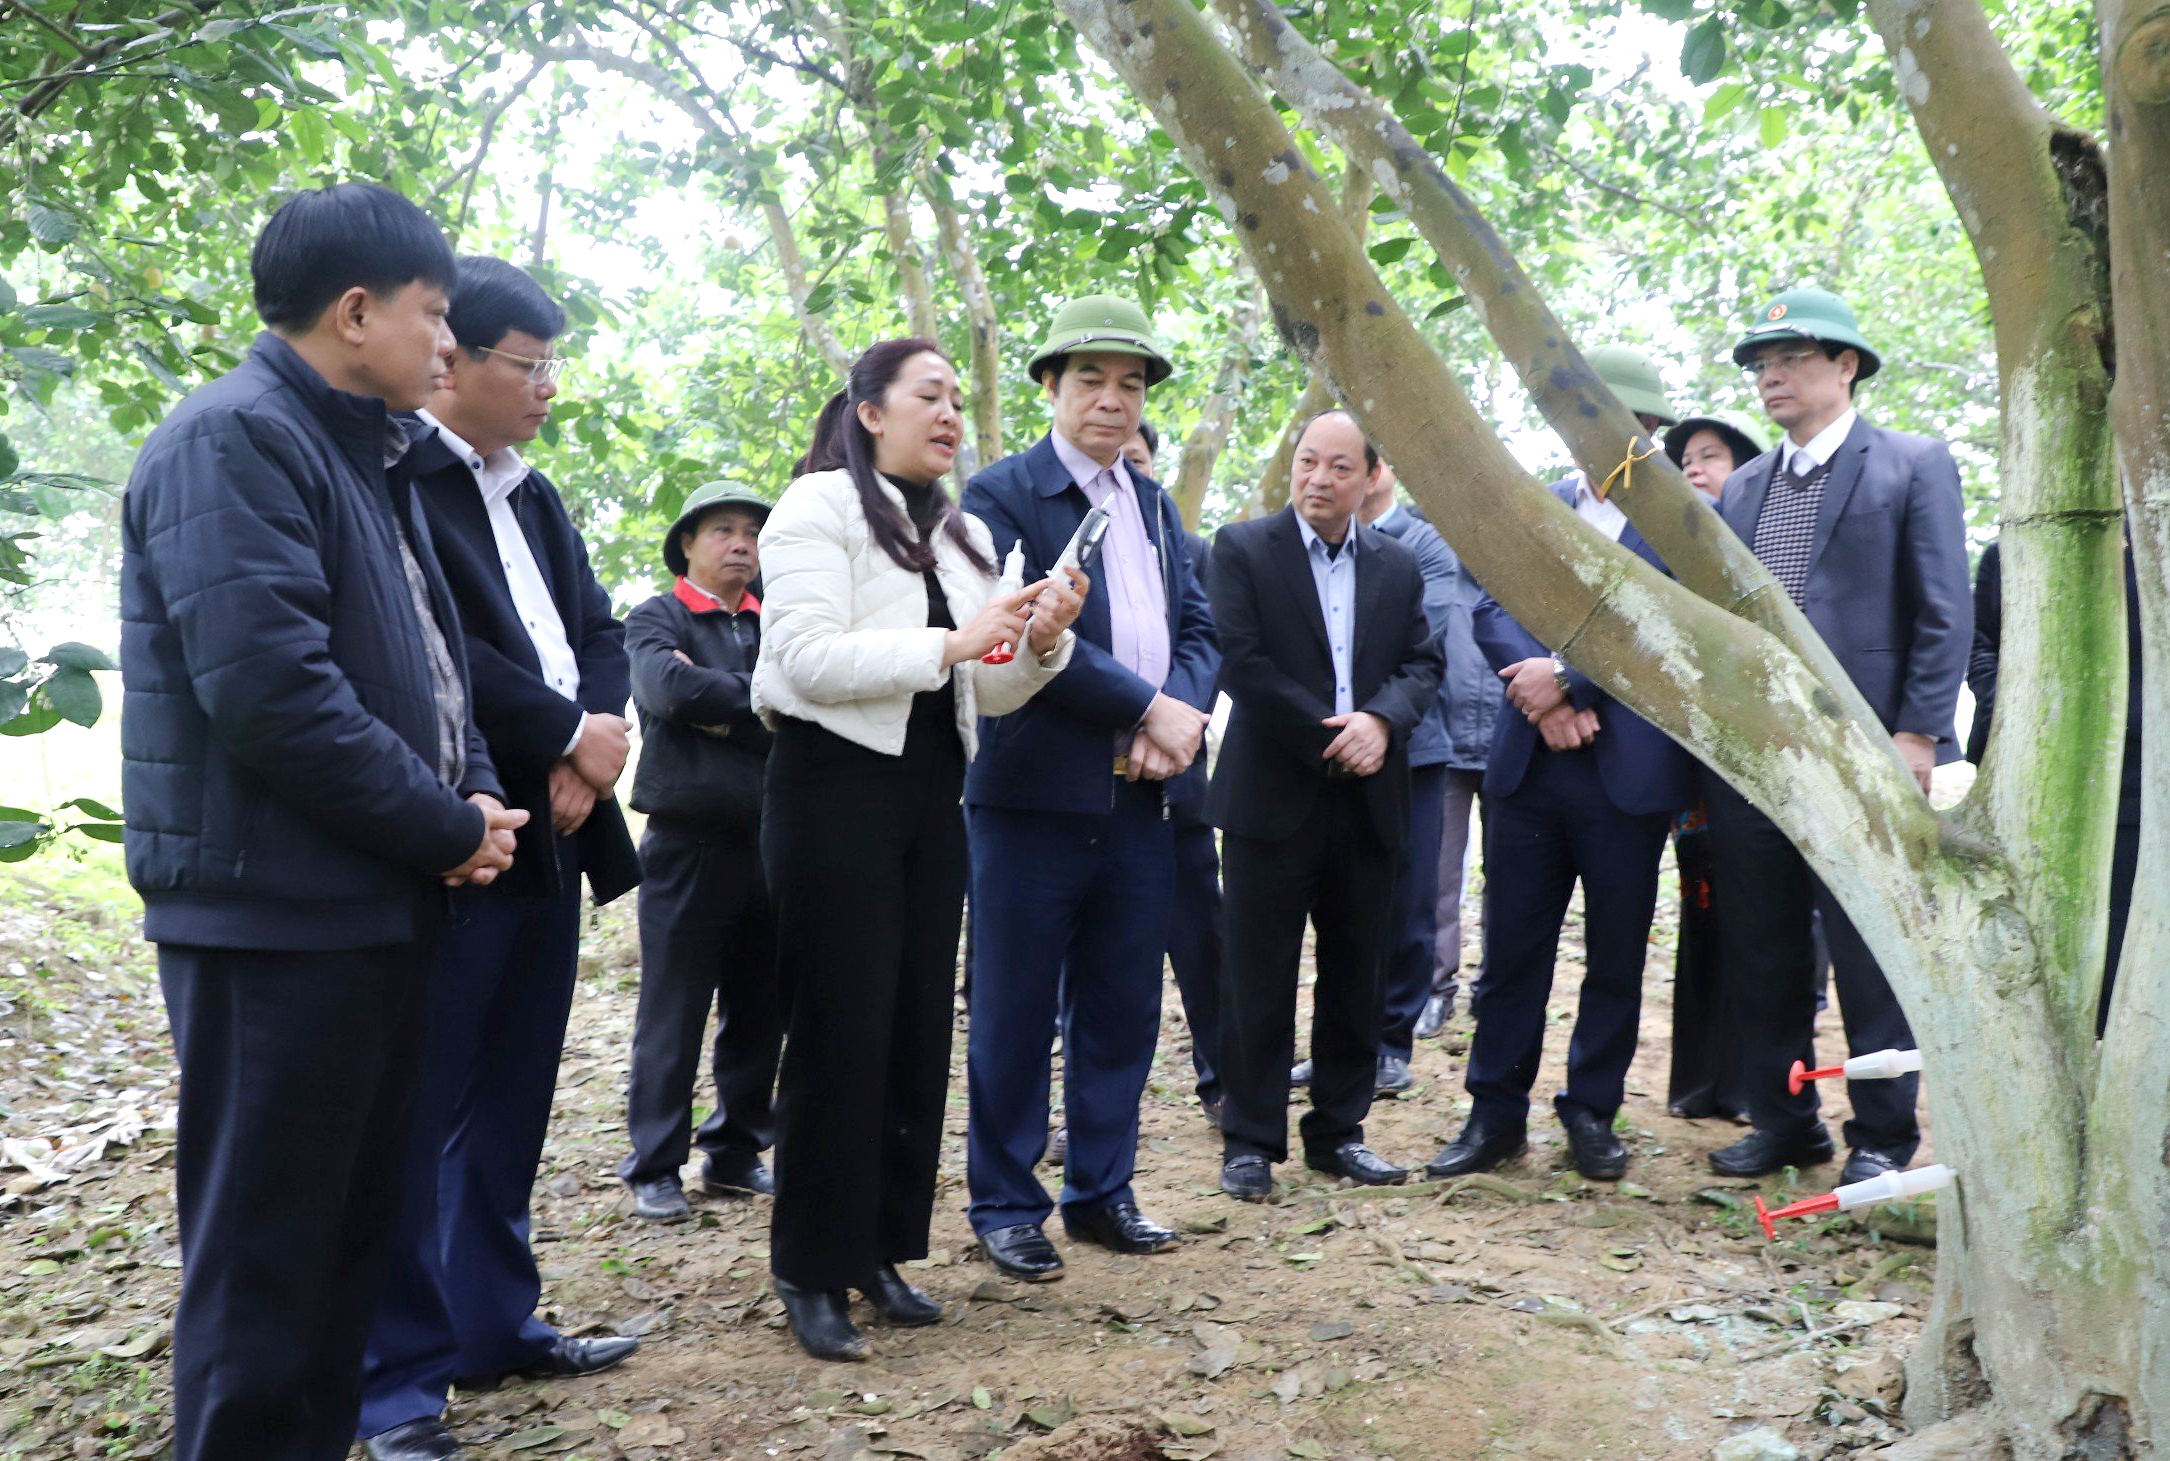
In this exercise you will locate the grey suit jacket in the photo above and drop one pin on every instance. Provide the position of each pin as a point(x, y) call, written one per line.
point(1887, 573)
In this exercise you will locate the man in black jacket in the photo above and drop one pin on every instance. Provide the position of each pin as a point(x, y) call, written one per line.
point(550, 685)
point(705, 930)
point(1331, 664)
point(302, 779)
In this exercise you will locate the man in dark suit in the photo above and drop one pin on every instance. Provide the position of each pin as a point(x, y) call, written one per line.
point(302, 779)
point(1864, 528)
point(550, 683)
point(1067, 806)
point(1194, 923)
point(1331, 664)
point(1580, 788)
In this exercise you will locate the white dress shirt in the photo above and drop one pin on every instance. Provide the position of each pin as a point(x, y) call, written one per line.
point(495, 477)
point(1129, 575)
point(1601, 513)
point(1822, 446)
point(1333, 575)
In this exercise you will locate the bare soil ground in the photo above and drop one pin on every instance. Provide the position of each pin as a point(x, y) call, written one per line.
point(1531, 1315)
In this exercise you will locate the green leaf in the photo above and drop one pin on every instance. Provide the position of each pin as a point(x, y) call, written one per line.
point(982, 1398)
point(541, 1435)
point(1448, 306)
point(12, 660)
point(1391, 251)
point(15, 834)
point(60, 317)
point(1702, 55)
point(96, 809)
point(820, 297)
point(1725, 100)
point(10, 464)
point(50, 225)
point(75, 695)
point(101, 831)
point(35, 718)
point(75, 655)
point(52, 362)
point(1771, 125)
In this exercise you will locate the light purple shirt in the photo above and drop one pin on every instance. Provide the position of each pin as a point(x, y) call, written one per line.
point(1129, 568)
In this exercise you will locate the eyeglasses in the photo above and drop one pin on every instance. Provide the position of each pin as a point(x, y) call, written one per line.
point(1763, 364)
point(547, 371)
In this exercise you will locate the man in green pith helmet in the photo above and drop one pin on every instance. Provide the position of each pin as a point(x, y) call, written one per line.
point(706, 935)
point(1865, 529)
point(1068, 805)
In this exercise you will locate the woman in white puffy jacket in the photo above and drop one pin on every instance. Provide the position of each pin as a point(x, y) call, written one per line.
point(880, 603)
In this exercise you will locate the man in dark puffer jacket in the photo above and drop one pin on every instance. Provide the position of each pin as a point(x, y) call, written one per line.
point(705, 931)
point(302, 778)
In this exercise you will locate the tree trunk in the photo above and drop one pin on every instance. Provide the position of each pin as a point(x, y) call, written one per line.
point(1202, 448)
point(985, 332)
point(1271, 494)
point(2045, 1296)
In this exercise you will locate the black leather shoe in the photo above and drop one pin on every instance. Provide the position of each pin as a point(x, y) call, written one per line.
point(1058, 1148)
point(417, 1440)
point(1299, 1074)
point(1433, 1018)
point(1118, 1227)
point(1394, 1076)
point(1247, 1177)
point(897, 1301)
point(1022, 1252)
point(1481, 1147)
point(1358, 1163)
point(821, 1321)
point(566, 1358)
point(737, 1174)
point(1865, 1162)
point(1761, 1152)
point(661, 1200)
point(1599, 1154)
point(1211, 1106)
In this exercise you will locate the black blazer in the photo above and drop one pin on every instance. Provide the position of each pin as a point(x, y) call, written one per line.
point(1641, 769)
point(524, 720)
point(1276, 668)
point(1887, 573)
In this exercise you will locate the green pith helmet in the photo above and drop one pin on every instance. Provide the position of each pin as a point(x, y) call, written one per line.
point(1633, 377)
point(701, 501)
point(1737, 428)
point(1102, 322)
point(1808, 314)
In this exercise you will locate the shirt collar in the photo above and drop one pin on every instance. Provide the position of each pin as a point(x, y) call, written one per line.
point(1312, 541)
point(495, 475)
point(1386, 517)
point(1824, 444)
point(701, 601)
point(1083, 469)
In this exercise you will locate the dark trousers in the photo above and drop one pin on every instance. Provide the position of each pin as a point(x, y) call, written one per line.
point(1413, 920)
point(1769, 971)
point(1194, 948)
point(705, 937)
point(866, 862)
point(1704, 1079)
point(1072, 923)
point(1337, 874)
point(461, 1296)
point(297, 1071)
point(1559, 827)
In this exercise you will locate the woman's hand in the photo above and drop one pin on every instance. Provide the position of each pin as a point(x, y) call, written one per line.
point(1001, 620)
point(1057, 609)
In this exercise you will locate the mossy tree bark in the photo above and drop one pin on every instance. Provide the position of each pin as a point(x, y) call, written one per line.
point(1987, 920)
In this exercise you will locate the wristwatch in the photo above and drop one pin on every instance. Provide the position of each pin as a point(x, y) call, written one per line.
point(1559, 673)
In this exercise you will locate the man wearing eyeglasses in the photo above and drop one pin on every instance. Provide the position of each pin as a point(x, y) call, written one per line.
point(550, 687)
point(1865, 530)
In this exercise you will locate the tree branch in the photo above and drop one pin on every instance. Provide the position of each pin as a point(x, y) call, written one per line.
point(48, 89)
point(1596, 427)
point(472, 168)
point(1271, 493)
point(1202, 448)
point(979, 307)
point(50, 26)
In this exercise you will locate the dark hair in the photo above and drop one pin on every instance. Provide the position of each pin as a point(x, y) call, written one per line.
point(1152, 437)
point(842, 443)
point(322, 243)
point(1371, 452)
point(494, 298)
point(1832, 351)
